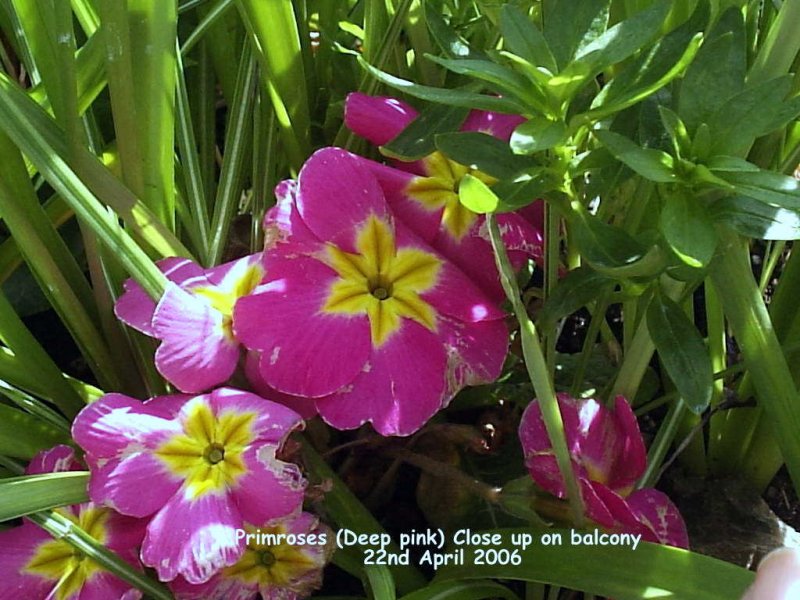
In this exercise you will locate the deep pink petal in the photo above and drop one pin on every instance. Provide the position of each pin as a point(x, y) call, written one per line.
point(521, 237)
point(216, 587)
point(196, 352)
point(193, 538)
point(124, 535)
point(476, 351)
point(304, 352)
point(401, 386)
point(17, 547)
point(167, 406)
point(274, 422)
point(658, 513)
point(105, 586)
point(305, 407)
point(107, 427)
point(135, 307)
point(119, 484)
point(282, 222)
point(376, 118)
point(267, 477)
point(616, 512)
point(495, 124)
point(55, 460)
point(336, 194)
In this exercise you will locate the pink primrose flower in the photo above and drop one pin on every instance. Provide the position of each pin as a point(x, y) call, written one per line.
point(35, 566)
point(360, 314)
point(283, 561)
point(426, 196)
point(608, 456)
point(198, 467)
point(193, 319)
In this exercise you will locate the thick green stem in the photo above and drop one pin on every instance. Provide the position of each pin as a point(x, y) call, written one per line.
point(538, 372)
point(753, 329)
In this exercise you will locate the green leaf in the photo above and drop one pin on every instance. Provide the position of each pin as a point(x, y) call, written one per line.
point(612, 251)
point(579, 288)
point(755, 219)
point(480, 151)
point(501, 79)
point(476, 195)
point(677, 131)
point(381, 584)
point(462, 590)
point(662, 63)
point(651, 164)
point(751, 113)
point(417, 140)
point(568, 26)
point(451, 44)
point(23, 435)
point(717, 73)
point(766, 186)
point(537, 134)
point(30, 493)
point(455, 97)
point(688, 229)
point(524, 39)
point(524, 189)
point(651, 571)
point(682, 352)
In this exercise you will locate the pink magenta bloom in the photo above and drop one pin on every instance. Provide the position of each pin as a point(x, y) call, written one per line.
point(373, 323)
point(281, 562)
point(206, 464)
point(427, 197)
point(608, 456)
point(193, 319)
point(35, 566)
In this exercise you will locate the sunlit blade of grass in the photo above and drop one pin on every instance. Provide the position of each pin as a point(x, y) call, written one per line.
point(223, 41)
point(35, 133)
point(152, 26)
point(30, 493)
point(275, 32)
point(50, 261)
point(190, 167)
point(214, 14)
point(23, 435)
point(237, 140)
point(63, 529)
point(26, 348)
point(21, 43)
point(86, 15)
point(265, 168)
point(34, 406)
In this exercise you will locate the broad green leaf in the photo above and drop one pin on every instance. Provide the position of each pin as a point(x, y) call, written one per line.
point(755, 111)
point(524, 39)
point(767, 186)
point(579, 288)
point(462, 590)
point(651, 571)
point(31, 493)
point(717, 72)
point(611, 251)
point(417, 139)
point(537, 134)
point(451, 44)
point(677, 131)
point(524, 189)
point(682, 352)
point(568, 26)
point(688, 229)
point(666, 60)
point(455, 97)
point(476, 195)
point(502, 79)
point(480, 151)
point(23, 435)
point(650, 163)
point(756, 219)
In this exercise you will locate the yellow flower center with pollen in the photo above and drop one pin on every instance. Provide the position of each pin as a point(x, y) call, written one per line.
point(382, 281)
point(278, 564)
point(59, 560)
point(238, 282)
point(208, 454)
point(440, 190)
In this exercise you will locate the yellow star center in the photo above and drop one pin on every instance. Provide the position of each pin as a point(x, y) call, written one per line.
point(278, 564)
point(439, 190)
point(59, 560)
point(382, 282)
point(208, 454)
point(238, 282)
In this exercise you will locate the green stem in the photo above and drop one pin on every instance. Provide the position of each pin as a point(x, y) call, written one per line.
point(538, 372)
